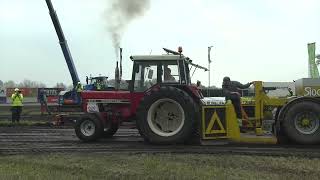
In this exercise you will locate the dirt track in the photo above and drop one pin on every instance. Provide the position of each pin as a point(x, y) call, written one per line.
point(26, 140)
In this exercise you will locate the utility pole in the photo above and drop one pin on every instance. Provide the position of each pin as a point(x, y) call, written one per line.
point(209, 62)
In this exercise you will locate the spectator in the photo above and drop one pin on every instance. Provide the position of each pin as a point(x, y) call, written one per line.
point(43, 101)
point(79, 87)
point(16, 108)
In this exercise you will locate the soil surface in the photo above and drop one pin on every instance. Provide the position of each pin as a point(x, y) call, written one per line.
point(26, 140)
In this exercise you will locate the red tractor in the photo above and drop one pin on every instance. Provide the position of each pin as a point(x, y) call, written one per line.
point(160, 98)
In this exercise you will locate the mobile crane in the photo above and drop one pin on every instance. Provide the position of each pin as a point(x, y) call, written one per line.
point(71, 97)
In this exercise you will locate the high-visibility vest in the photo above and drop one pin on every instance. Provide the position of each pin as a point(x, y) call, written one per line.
point(98, 85)
point(17, 99)
point(79, 88)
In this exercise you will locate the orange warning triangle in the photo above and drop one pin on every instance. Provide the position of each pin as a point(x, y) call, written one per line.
point(215, 119)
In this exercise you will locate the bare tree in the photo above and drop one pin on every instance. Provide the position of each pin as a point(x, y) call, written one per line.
point(31, 84)
point(69, 87)
point(25, 83)
point(9, 84)
point(60, 85)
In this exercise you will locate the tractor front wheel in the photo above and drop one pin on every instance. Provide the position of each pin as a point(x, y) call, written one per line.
point(89, 128)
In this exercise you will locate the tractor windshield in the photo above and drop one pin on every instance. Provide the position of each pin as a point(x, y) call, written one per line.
point(170, 72)
point(100, 81)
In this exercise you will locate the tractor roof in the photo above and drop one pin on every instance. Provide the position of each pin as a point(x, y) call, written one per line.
point(157, 57)
point(99, 77)
point(165, 58)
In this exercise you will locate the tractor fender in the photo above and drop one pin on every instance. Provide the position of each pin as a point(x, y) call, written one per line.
point(284, 109)
point(101, 116)
point(106, 118)
point(92, 115)
point(193, 92)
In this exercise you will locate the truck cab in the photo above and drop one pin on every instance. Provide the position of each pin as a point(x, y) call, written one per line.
point(101, 81)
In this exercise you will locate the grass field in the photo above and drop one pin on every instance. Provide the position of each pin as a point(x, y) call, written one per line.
point(156, 166)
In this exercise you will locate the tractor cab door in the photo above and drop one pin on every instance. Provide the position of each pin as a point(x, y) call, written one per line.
point(144, 76)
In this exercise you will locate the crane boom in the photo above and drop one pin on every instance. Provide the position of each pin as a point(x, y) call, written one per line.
point(63, 43)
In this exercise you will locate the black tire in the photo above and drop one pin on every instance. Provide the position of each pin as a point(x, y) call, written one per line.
point(175, 98)
point(292, 123)
point(111, 130)
point(282, 138)
point(86, 132)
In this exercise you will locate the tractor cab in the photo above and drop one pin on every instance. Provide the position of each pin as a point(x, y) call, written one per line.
point(172, 69)
point(99, 83)
point(152, 70)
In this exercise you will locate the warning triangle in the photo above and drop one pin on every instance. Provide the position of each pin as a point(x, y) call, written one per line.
point(215, 119)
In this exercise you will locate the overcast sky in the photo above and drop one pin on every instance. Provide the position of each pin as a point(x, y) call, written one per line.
point(253, 39)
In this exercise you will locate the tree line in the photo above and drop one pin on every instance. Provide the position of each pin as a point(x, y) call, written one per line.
point(36, 84)
point(30, 84)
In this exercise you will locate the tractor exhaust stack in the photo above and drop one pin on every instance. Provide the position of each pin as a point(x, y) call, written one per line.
point(116, 77)
point(120, 78)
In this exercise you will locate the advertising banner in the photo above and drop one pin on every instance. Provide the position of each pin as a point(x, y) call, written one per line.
point(51, 93)
point(31, 95)
point(52, 99)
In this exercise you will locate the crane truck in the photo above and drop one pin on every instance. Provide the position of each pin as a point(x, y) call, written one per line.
point(71, 97)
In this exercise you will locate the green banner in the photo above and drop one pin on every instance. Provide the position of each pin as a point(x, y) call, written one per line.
point(313, 70)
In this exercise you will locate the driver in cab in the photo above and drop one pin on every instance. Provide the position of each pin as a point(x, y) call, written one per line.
point(167, 75)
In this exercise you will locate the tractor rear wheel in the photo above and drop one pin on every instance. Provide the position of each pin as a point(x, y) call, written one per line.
point(166, 116)
point(89, 128)
point(302, 123)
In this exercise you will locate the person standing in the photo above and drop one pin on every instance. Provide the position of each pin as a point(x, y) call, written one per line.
point(97, 85)
point(17, 104)
point(43, 101)
point(79, 87)
point(87, 80)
